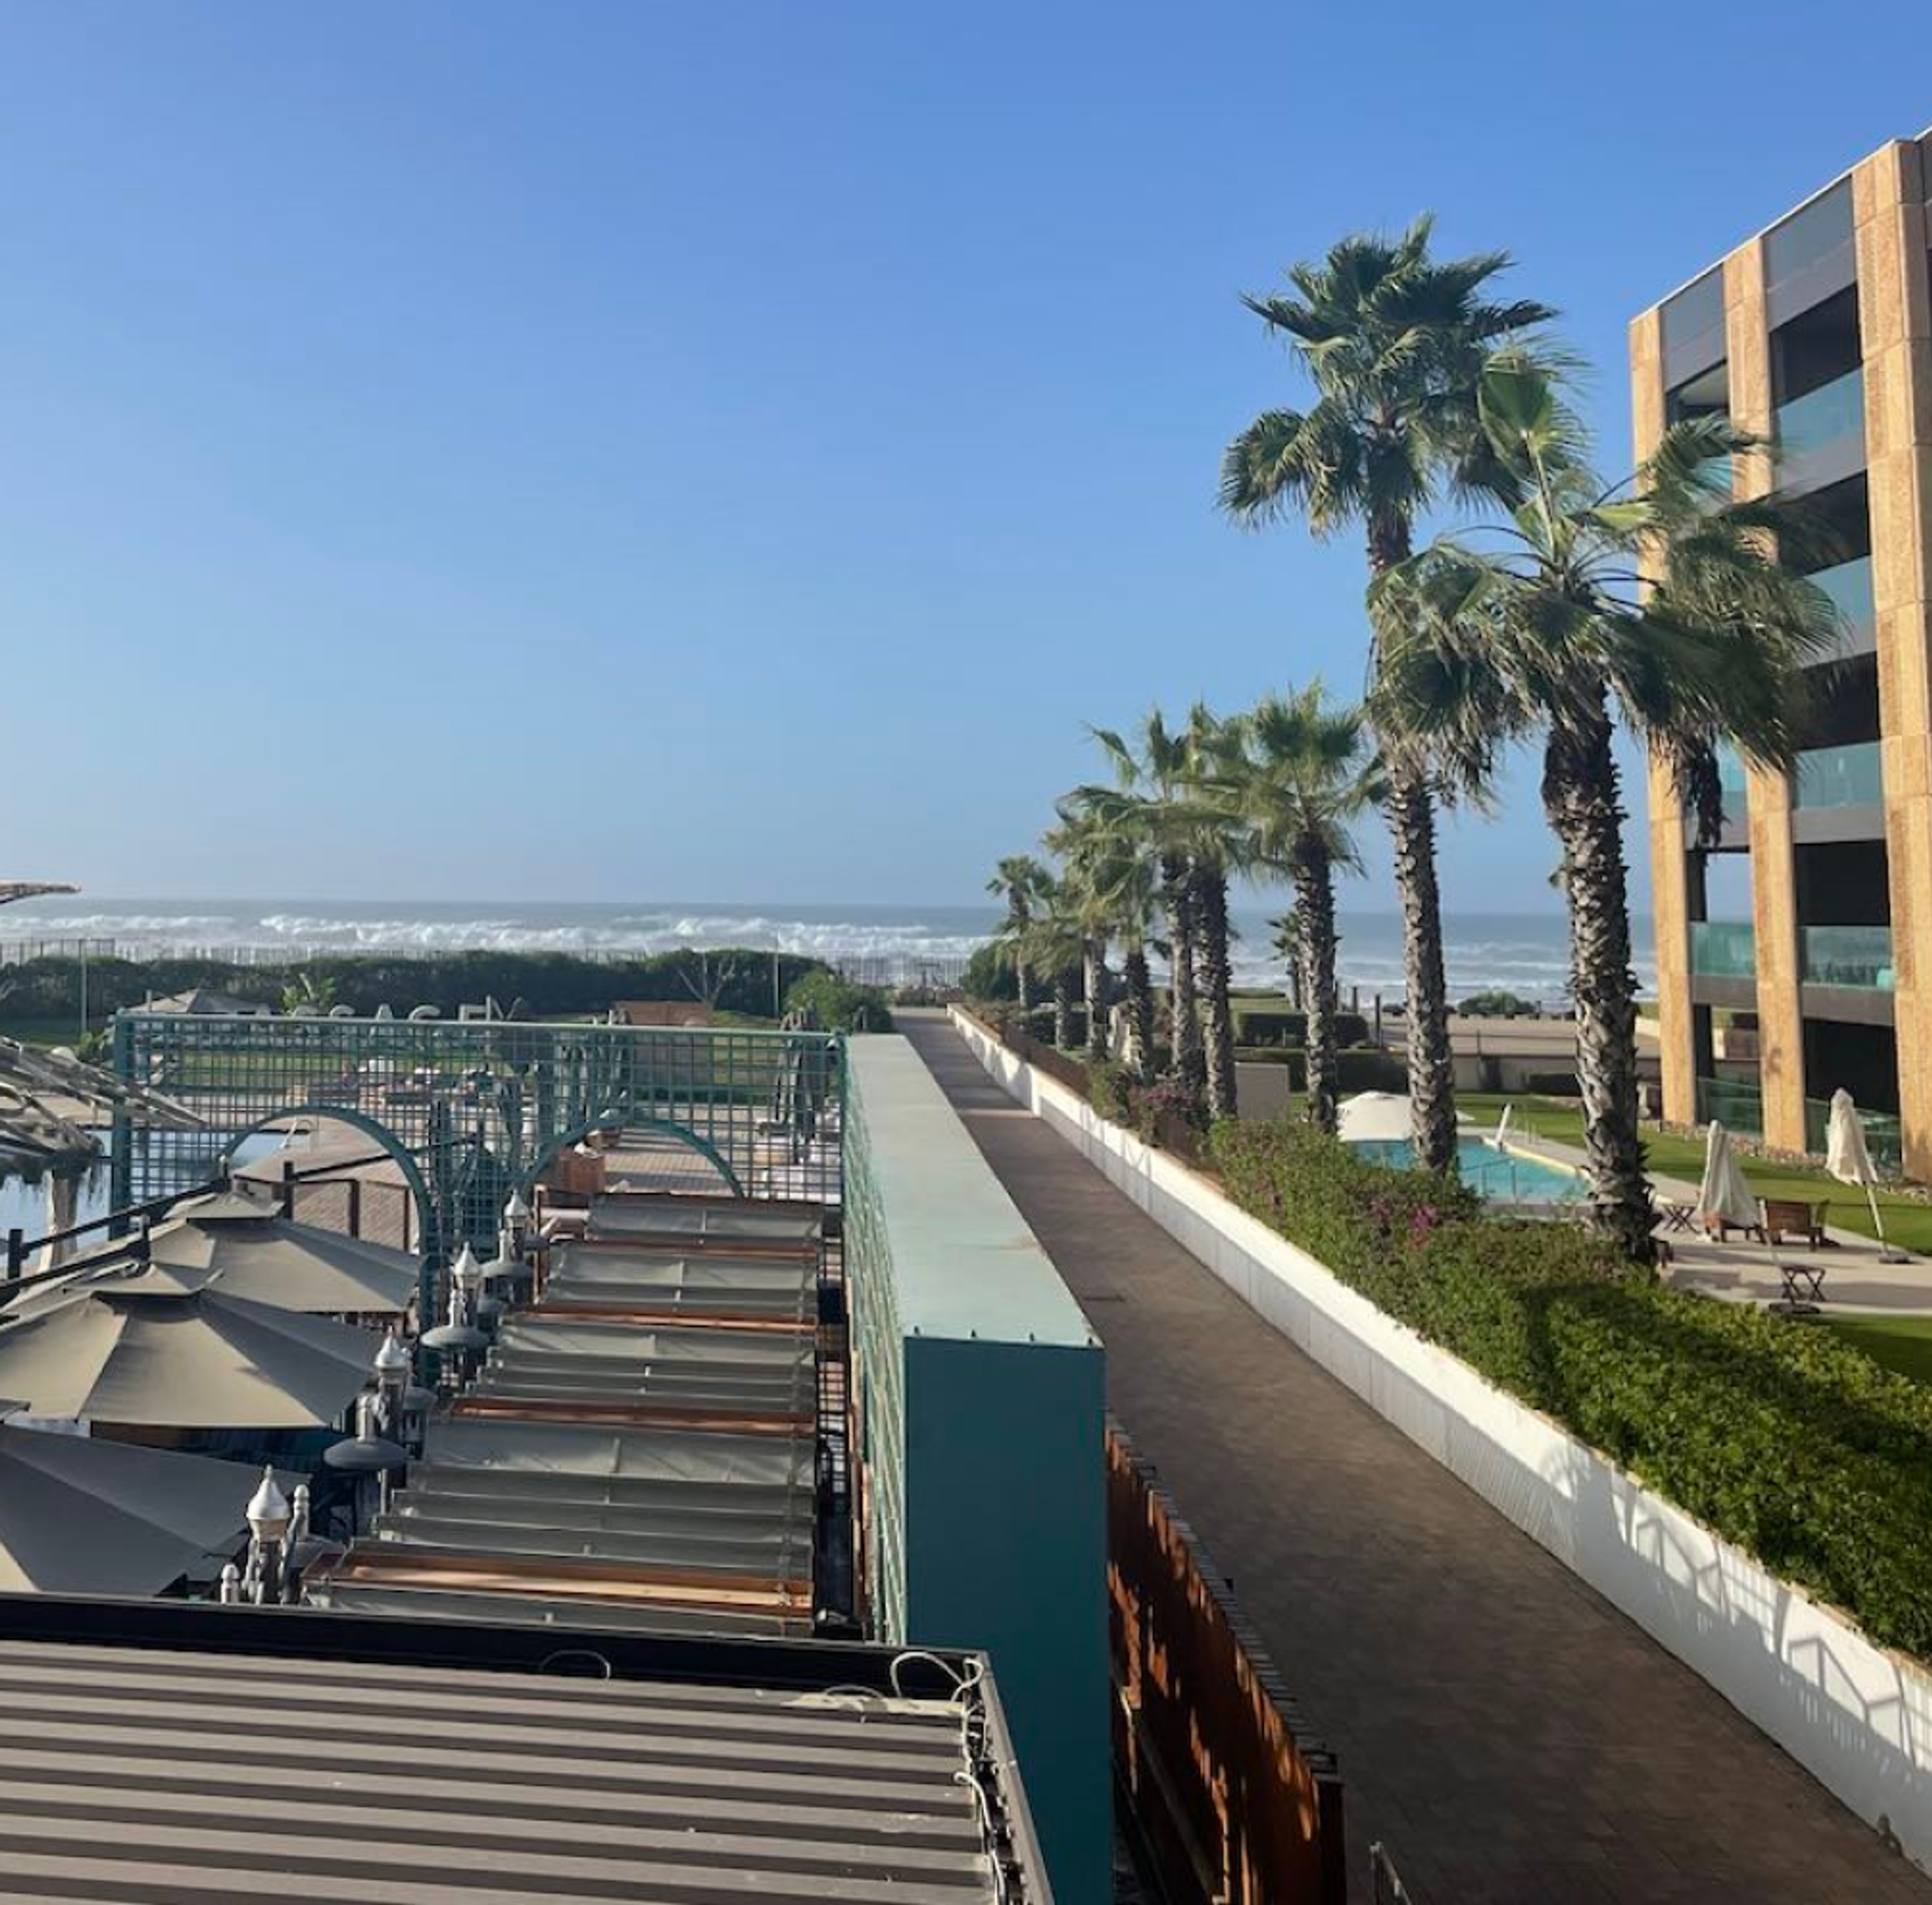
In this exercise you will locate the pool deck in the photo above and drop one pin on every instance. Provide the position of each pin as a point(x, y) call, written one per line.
point(1745, 1270)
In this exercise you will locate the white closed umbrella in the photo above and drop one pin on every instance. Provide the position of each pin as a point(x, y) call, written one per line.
point(1848, 1158)
point(1725, 1196)
point(1375, 1118)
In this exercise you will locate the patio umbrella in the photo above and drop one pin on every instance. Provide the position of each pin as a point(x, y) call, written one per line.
point(1725, 1193)
point(1375, 1118)
point(267, 1257)
point(168, 1347)
point(81, 1517)
point(1848, 1158)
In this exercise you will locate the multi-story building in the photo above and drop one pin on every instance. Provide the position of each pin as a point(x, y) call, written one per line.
point(1794, 955)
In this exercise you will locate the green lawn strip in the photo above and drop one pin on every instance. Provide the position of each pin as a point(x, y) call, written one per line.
point(1908, 1222)
point(1901, 1344)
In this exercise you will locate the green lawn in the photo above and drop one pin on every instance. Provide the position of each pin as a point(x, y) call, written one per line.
point(1908, 1222)
point(1903, 1344)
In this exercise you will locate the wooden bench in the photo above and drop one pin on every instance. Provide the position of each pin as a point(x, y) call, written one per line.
point(1785, 1218)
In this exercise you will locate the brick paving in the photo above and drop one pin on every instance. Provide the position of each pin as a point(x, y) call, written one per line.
point(1507, 1733)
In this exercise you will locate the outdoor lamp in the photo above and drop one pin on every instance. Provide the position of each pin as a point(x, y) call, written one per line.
point(466, 1273)
point(267, 1512)
point(516, 1219)
point(230, 1592)
point(367, 1452)
point(393, 1370)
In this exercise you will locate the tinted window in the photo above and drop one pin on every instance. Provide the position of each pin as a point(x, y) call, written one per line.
point(1808, 236)
point(1697, 308)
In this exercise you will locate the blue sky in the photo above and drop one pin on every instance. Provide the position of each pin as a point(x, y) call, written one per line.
point(608, 450)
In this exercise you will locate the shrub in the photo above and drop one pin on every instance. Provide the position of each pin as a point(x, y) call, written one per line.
point(1269, 1029)
point(1785, 1440)
point(840, 1006)
point(989, 974)
point(1499, 1005)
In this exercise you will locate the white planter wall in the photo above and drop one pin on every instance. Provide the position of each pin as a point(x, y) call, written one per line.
point(1857, 1716)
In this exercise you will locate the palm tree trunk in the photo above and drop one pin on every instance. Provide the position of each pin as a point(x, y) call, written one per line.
point(1023, 979)
point(1582, 799)
point(1140, 1014)
point(1093, 963)
point(1062, 1009)
point(1216, 985)
point(1188, 1062)
point(1411, 812)
point(1432, 1071)
point(1314, 909)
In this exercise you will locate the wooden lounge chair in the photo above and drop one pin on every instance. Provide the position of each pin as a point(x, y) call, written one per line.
point(1789, 1218)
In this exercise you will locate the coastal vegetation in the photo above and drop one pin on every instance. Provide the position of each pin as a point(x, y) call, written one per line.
point(45, 995)
point(1566, 609)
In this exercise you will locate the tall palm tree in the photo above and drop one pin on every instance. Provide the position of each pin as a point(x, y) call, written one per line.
point(1301, 772)
point(1216, 848)
point(1018, 880)
point(1548, 634)
point(1082, 840)
point(1120, 861)
point(1053, 942)
point(1393, 340)
point(1157, 774)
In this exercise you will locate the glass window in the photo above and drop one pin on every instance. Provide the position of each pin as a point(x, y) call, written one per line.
point(1808, 237)
point(1698, 308)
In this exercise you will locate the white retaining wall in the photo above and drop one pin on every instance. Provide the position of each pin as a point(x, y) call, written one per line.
point(1857, 1716)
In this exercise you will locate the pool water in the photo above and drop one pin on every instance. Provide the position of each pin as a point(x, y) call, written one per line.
point(1503, 1176)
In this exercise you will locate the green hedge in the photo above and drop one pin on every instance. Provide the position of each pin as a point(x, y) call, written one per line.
point(1266, 1026)
point(551, 984)
point(840, 1005)
point(1367, 1068)
point(1783, 1438)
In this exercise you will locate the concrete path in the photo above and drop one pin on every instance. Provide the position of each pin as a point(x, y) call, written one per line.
point(1509, 1734)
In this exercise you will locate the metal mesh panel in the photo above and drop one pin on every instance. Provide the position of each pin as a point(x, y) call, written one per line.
point(482, 1106)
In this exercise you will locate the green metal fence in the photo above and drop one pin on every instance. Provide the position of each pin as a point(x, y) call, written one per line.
point(477, 1107)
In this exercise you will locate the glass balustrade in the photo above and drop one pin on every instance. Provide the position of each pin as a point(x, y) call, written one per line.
point(1723, 949)
point(1851, 776)
point(1858, 957)
point(1824, 419)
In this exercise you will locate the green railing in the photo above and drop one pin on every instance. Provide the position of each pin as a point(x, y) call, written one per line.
point(1859, 957)
point(1850, 776)
point(1723, 949)
point(490, 1102)
point(1833, 414)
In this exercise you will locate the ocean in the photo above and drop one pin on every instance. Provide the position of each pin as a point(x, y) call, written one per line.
point(1520, 952)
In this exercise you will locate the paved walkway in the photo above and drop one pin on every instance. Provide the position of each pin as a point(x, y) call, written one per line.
point(1509, 1734)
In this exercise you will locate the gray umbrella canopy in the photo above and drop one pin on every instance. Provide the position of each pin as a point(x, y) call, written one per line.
point(168, 1348)
point(267, 1257)
point(80, 1517)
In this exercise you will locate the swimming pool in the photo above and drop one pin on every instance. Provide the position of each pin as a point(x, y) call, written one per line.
point(1502, 1176)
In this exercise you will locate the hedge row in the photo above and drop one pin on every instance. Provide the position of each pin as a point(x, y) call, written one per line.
point(551, 984)
point(1784, 1439)
point(1264, 1026)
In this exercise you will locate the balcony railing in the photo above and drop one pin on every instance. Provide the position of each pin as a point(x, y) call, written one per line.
point(1849, 587)
point(1858, 957)
point(1851, 776)
point(1723, 949)
point(1823, 419)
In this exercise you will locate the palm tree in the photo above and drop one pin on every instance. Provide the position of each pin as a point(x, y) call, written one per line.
point(1119, 861)
point(1394, 341)
point(1053, 942)
point(1018, 880)
point(1301, 773)
point(1082, 842)
point(1216, 848)
point(1157, 777)
point(1549, 635)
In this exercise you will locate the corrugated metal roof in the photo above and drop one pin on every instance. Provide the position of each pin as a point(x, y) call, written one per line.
point(766, 1223)
point(165, 1777)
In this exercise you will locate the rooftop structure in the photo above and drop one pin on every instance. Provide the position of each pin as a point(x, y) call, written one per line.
point(206, 1753)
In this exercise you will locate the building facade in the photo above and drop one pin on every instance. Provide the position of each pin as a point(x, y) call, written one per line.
point(1795, 955)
